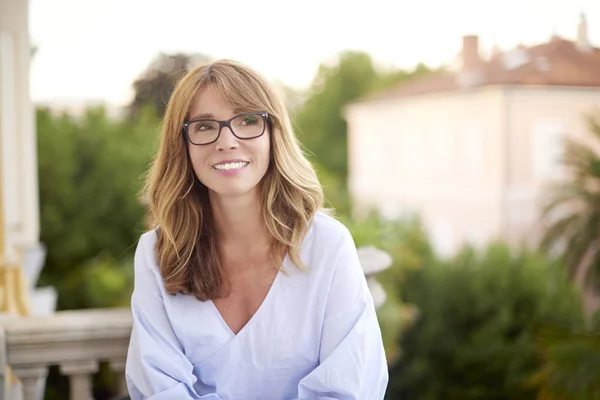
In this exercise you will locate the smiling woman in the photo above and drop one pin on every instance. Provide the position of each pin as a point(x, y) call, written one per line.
point(244, 272)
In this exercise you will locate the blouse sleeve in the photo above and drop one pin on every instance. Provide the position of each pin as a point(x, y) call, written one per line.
point(352, 363)
point(156, 367)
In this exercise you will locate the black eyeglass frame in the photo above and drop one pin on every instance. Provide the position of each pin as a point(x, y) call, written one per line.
point(263, 114)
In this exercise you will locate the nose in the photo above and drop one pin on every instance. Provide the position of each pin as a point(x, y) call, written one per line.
point(227, 139)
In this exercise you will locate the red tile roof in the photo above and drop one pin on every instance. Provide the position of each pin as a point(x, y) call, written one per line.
point(557, 63)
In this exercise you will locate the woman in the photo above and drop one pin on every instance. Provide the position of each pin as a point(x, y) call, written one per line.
point(245, 290)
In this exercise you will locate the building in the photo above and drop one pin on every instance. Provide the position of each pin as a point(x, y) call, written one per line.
point(471, 150)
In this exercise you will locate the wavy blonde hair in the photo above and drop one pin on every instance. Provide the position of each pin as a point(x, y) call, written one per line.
point(290, 191)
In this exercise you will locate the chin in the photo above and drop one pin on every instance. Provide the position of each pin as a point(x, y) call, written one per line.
point(232, 190)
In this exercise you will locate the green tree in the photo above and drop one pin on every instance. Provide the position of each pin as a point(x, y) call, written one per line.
point(572, 214)
point(90, 173)
point(155, 85)
point(478, 320)
point(571, 364)
point(322, 128)
point(394, 77)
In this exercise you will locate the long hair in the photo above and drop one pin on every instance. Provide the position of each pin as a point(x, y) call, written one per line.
point(290, 192)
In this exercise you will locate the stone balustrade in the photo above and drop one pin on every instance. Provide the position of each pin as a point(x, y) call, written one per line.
point(76, 341)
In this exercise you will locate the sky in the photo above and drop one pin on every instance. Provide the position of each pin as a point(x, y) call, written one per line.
point(92, 50)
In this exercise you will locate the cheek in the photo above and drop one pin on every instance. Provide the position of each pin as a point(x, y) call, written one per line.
point(265, 157)
point(197, 158)
point(267, 149)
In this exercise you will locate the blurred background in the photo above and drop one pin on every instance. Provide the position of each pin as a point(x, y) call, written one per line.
point(461, 137)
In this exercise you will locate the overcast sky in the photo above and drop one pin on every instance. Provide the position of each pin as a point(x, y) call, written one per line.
point(94, 49)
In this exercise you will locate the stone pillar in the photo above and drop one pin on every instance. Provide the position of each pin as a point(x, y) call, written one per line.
point(80, 377)
point(33, 380)
point(118, 369)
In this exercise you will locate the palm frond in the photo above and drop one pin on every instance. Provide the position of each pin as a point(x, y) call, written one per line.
point(571, 214)
point(571, 365)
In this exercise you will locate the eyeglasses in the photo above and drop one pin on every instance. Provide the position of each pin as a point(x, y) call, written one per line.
point(244, 126)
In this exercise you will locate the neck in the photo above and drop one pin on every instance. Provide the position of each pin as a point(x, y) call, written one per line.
point(238, 221)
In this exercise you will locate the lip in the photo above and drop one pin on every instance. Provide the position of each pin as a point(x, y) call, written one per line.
point(230, 161)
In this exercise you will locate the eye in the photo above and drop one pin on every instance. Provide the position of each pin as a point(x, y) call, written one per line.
point(249, 120)
point(203, 126)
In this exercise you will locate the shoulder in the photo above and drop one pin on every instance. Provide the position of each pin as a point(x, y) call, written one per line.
point(326, 239)
point(328, 230)
point(145, 253)
point(147, 242)
point(331, 255)
point(148, 239)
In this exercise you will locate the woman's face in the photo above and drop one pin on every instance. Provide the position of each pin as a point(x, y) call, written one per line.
point(229, 166)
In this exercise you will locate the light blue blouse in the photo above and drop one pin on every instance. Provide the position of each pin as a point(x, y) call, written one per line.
point(315, 336)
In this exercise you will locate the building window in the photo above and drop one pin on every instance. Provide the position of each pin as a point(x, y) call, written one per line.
point(471, 150)
point(547, 148)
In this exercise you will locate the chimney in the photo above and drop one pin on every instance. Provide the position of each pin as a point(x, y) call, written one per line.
point(470, 52)
point(583, 44)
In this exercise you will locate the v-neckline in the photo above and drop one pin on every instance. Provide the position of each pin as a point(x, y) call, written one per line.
point(263, 304)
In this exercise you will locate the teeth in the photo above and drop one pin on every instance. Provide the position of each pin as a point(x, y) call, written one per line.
point(229, 166)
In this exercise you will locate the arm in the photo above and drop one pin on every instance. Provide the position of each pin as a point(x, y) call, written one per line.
point(352, 362)
point(156, 366)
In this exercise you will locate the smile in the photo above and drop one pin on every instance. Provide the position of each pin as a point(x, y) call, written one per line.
point(230, 166)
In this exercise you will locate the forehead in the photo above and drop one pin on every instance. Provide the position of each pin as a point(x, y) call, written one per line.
point(208, 103)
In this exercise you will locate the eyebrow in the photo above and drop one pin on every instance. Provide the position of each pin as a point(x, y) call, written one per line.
point(211, 116)
point(204, 115)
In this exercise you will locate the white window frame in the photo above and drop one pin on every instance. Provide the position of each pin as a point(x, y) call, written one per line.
point(547, 149)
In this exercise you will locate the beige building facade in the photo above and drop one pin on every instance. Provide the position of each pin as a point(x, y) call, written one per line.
point(472, 151)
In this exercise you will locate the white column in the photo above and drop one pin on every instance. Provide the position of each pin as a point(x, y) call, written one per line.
point(19, 200)
point(17, 129)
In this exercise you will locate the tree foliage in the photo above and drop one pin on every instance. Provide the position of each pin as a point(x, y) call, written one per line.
point(571, 364)
point(154, 86)
point(322, 128)
point(90, 172)
point(478, 320)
